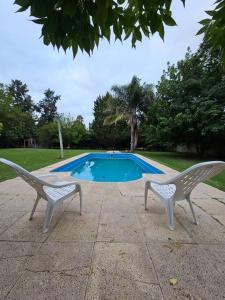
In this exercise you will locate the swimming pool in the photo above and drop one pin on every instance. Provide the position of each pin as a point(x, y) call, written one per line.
point(107, 167)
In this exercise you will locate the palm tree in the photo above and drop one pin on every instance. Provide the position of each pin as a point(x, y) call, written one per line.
point(129, 102)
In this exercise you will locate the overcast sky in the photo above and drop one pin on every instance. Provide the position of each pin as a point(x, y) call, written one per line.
point(23, 56)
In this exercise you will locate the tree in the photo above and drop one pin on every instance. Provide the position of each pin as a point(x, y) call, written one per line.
point(16, 124)
point(78, 130)
point(80, 118)
point(83, 23)
point(19, 93)
point(47, 107)
point(1, 128)
point(129, 103)
point(74, 131)
point(110, 135)
point(190, 102)
point(213, 28)
point(48, 135)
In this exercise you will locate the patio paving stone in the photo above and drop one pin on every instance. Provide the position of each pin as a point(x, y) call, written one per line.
point(26, 230)
point(60, 257)
point(13, 257)
point(217, 256)
point(210, 205)
point(92, 203)
point(197, 277)
point(7, 218)
point(121, 204)
point(120, 227)
point(122, 271)
point(73, 227)
point(46, 285)
point(219, 218)
point(207, 231)
point(154, 223)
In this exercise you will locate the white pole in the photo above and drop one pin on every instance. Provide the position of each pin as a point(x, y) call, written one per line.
point(60, 140)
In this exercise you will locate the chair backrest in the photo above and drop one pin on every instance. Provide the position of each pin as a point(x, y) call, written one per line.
point(32, 180)
point(188, 179)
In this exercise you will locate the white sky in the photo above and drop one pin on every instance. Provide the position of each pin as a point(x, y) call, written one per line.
point(24, 56)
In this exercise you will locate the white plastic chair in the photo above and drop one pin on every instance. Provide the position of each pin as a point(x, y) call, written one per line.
point(54, 193)
point(180, 187)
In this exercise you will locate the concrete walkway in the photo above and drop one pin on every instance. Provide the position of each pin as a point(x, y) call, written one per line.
point(116, 249)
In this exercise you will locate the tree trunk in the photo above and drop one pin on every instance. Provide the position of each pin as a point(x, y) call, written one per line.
point(132, 131)
point(60, 140)
point(135, 137)
point(132, 137)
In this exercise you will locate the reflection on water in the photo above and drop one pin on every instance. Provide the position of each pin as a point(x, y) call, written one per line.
point(108, 170)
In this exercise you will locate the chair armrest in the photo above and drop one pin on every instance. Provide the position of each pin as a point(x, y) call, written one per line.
point(47, 175)
point(155, 181)
point(63, 184)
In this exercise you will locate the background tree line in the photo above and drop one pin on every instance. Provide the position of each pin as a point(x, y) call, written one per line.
point(21, 119)
point(186, 108)
point(189, 107)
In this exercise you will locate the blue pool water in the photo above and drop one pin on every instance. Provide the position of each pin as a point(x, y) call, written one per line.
point(105, 167)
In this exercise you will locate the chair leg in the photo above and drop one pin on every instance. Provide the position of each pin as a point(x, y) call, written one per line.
point(146, 195)
point(170, 215)
point(192, 210)
point(81, 197)
point(48, 216)
point(35, 206)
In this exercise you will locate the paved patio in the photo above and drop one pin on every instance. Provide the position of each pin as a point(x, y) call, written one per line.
point(116, 249)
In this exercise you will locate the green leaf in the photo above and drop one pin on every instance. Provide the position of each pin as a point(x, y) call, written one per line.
point(168, 4)
point(155, 21)
point(128, 33)
point(102, 12)
point(74, 49)
point(46, 40)
point(39, 21)
point(210, 12)
point(161, 31)
point(106, 32)
point(202, 30)
point(117, 29)
point(22, 2)
point(204, 21)
point(168, 20)
point(137, 34)
point(22, 9)
point(183, 1)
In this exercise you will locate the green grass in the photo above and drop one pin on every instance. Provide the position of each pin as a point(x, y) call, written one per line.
point(32, 159)
point(181, 161)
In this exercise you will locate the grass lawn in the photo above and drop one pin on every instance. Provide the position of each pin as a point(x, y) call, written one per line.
point(32, 159)
point(181, 161)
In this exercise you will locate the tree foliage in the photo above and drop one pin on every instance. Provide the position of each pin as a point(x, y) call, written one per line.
point(20, 117)
point(81, 24)
point(47, 107)
point(129, 103)
point(111, 135)
point(17, 124)
point(190, 102)
point(20, 97)
point(74, 131)
point(214, 28)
